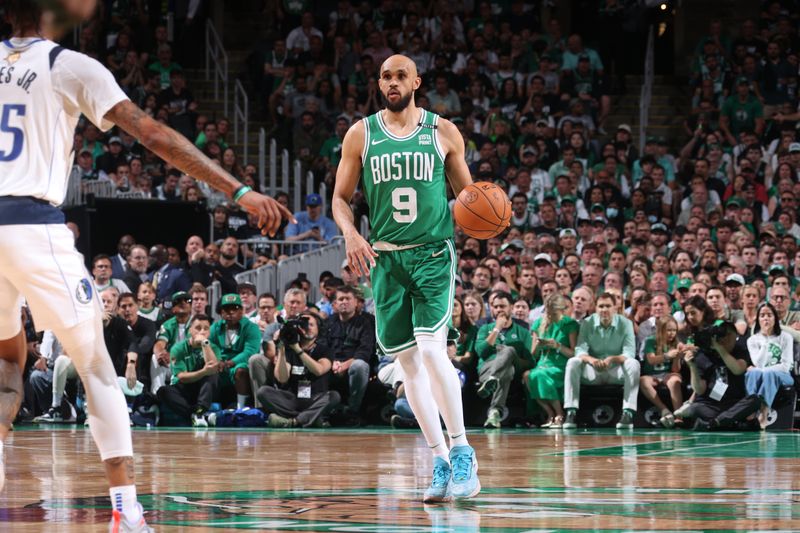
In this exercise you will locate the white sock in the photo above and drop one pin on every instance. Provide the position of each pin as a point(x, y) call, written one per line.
point(57, 396)
point(418, 394)
point(444, 382)
point(440, 450)
point(241, 400)
point(123, 499)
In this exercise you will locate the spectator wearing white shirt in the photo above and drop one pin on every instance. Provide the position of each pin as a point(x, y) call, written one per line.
point(299, 39)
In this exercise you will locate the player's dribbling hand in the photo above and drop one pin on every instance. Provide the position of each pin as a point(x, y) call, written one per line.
point(269, 212)
point(360, 255)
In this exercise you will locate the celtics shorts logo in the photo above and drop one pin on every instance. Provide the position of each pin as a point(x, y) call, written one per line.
point(83, 292)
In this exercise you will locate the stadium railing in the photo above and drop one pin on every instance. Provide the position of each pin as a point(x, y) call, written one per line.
point(216, 63)
point(647, 89)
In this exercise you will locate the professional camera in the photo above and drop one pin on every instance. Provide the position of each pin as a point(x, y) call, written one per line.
point(715, 331)
point(290, 331)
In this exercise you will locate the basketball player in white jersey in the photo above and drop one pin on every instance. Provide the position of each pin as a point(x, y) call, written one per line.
point(44, 89)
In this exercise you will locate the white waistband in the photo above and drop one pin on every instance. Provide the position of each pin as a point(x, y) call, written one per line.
point(383, 246)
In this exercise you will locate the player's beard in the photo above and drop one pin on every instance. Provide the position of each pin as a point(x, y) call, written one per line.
point(399, 105)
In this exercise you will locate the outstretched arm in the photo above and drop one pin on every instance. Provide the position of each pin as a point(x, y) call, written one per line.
point(455, 165)
point(360, 254)
point(173, 147)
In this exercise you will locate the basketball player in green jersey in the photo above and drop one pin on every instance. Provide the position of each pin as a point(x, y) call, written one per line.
point(405, 155)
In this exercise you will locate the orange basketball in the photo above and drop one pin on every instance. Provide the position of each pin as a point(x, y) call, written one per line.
point(482, 210)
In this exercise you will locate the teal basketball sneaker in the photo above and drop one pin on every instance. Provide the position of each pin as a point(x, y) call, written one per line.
point(465, 472)
point(440, 490)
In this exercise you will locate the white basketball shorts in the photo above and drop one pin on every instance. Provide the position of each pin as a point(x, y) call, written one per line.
point(39, 263)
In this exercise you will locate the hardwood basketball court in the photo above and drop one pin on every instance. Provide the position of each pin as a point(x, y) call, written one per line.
point(372, 480)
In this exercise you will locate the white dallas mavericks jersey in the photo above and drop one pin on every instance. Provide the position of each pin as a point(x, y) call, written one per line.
point(44, 89)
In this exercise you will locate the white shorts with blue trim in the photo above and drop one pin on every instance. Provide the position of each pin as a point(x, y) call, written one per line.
point(39, 264)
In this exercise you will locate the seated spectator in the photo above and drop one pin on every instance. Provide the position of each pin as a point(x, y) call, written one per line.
point(247, 293)
point(136, 268)
point(101, 270)
point(605, 354)
point(199, 296)
point(39, 385)
point(302, 368)
point(261, 365)
point(169, 278)
point(326, 302)
point(772, 356)
point(661, 366)
point(144, 337)
point(109, 161)
point(121, 347)
point(504, 351)
point(312, 225)
point(351, 339)
point(195, 373)
point(119, 262)
point(236, 340)
point(206, 270)
point(171, 332)
point(146, 298)
point(554, 338)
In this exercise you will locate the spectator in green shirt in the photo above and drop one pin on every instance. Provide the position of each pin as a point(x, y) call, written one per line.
point(605, 354)
point(741, 112)
point(504, 351)
point(195, 370)
point(170, 333)
point(164, 66)
point(236, 339)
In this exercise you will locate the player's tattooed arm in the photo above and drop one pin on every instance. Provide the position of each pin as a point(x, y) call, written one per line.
point(173, 147)
point(455, 166)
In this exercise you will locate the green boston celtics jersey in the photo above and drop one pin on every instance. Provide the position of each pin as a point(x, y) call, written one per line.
point(404, 183)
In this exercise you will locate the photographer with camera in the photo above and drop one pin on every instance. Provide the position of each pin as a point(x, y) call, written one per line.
point(302, 369)
point(717, 363)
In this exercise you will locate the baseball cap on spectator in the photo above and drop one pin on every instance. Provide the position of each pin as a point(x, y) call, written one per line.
point(542, 122)
point(527, 117)
point(583, 57)
point(508, 260)
point(529, 149)
point(181, 296)
point(651, 140)
point(684, 284)
point(468, 254)
point(599, 219)
point(115, 139)
point(543, 257)
point(584, 220)
point(230, 300)
point(550, 195)
point(794, 147)
point(567, 232)
point(776, 268)
point(742, 80)
point(734, 201)
point(597, 207)
point(515, 243)
point(313, 199)
point(247, 286)
point(733, 279)
point(662, 141)
point(85, 151)
point(568, 198)
point(658, 227)
point(624, 127)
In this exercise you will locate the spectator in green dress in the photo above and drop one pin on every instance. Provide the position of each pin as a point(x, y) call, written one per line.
point(554, 338)
point(662, 365)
